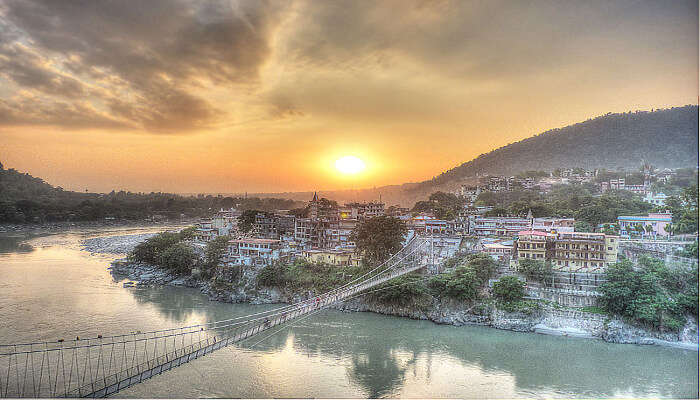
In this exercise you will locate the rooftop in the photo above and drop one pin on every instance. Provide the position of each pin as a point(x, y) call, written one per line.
point(536, 233)
point(254, 240)
point(643, 218)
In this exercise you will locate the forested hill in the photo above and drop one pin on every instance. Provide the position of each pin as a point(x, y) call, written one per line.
point(26, 199)
point(664, 138)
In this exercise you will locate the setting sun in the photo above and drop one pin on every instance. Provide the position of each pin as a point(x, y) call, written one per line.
point(349, 165)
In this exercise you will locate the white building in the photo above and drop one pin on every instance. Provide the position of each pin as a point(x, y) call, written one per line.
point(658, 199)
point(252, 251)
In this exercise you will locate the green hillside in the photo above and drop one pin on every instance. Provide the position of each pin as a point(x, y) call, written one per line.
point(665, 138)
point(26, 199)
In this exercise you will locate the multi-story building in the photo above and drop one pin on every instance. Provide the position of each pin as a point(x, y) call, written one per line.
point(568, 251)
point(535, 245)
point(304, 231)
point(253, 251)
point(654, 224)
point(205, 230)
point(470, 193)
point(620, 184)
point(499, 251)
point(365, 210)
point(498, 226)
point(398, 211)
point(226, 221)
point(284, 224)
point(265, 226)
point(657, 199)
point(584, 251)
point(437, 226)
point(553, 224)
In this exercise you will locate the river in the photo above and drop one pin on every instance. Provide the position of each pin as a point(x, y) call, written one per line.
point(57, 290)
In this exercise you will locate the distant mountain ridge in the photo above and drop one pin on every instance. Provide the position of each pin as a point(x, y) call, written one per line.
point(665, 138)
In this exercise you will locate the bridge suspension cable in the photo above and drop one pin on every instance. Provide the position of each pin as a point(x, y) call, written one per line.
point(100, 366)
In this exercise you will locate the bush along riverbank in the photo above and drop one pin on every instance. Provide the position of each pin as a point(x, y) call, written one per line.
point(459, 296)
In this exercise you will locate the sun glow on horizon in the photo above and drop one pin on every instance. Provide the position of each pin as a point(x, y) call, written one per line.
point(350, 165)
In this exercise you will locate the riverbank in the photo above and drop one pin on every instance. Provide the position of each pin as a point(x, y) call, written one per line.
point(544, 319)
point(49, 228)
point(120, 244)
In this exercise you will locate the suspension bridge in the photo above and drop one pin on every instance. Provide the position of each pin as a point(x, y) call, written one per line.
point(103, 365)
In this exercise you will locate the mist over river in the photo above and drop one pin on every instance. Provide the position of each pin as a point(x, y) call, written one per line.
point(55, 290)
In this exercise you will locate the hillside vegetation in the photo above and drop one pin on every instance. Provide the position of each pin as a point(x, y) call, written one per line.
point(26, 199)
point(665, 138)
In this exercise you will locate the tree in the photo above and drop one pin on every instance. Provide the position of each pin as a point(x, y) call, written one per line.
point(179, 258)
point(443, 205)
point(214, 252)
point(651, 293)
point(582, 226)
point(484, 266)
point(460, 284)
point(246, 220)
point(509, 289)
point(465, 281)
point(379, 237)
point(188, 233)
point(150, 250)
point(404, 290)
point(536, 269)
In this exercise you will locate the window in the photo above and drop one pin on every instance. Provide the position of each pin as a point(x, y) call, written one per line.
point(609, 248)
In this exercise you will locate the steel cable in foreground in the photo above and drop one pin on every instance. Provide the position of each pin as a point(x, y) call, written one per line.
point(101, 366)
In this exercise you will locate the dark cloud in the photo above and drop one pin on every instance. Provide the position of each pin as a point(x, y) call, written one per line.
point(30, 71)
point(74, 115)
point(147, 56)
point(417, 59)
point(491, 39)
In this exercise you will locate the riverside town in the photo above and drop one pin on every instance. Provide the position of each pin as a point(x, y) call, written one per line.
point(349, 199)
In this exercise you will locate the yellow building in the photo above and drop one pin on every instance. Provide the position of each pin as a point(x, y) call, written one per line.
point(332, 257)
point(534, 244)
point(567, 251)
point(584, 251)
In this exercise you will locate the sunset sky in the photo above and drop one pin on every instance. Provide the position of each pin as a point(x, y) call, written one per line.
point(234, 96)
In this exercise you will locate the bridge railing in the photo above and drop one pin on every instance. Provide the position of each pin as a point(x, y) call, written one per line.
point(100, 366)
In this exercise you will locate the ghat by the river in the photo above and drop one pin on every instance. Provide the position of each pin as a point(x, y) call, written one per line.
point(55, 290)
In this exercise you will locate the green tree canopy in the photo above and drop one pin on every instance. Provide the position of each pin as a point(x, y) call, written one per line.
point(650, 292)
point(214, 252)
point(379, 237)
point(538, 270)
point(509, 289)
point(179, 258)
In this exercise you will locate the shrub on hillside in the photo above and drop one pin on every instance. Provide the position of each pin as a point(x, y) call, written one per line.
point(509, 289)
point(465, 281)
point(404, 290)
point(536, 269)
point(150, 250)
point(651, 293)
point(179, 258)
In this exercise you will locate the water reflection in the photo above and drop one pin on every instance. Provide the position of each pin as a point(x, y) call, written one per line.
point(14, 244)
point(377, 351)
point(58, 290)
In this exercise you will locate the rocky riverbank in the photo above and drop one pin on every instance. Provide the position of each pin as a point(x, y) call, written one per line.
point(48, 228)
point(545, 320)
point(121, 244)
